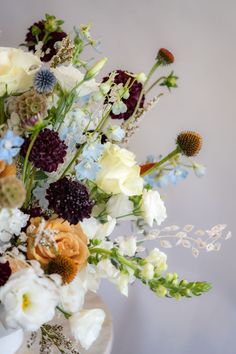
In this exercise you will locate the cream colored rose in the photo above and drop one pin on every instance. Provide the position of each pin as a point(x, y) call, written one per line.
point(17, 69)
point(119, 172)
point(69, 76)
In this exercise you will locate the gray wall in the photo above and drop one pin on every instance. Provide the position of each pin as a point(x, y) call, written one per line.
point(202, 36)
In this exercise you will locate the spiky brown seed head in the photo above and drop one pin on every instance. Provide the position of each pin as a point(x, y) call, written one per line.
point(189, 142)
point(64, 266)
point(12, 192)
point(165, 57)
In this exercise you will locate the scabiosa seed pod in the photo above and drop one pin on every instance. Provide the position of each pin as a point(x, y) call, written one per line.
point(30, 107)
point(47, 152)
point(5, 273)
point(70, 200)
point(134, 92)
point(36, 33)
point(165, 57)
point(64, 266)
point(189, 142)
point(44, 80)
point(12, 192)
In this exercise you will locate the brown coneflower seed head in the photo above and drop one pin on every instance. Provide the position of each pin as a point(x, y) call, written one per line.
point(64, 266)
point(165, 56)
point(189, 142)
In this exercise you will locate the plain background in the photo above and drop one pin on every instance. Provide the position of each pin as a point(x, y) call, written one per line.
point(201, 34)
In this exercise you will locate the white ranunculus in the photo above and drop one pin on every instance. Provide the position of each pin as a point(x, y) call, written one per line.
point(158, 259)
point(127, 245)
point(11, 223)
point(86, 326)
point(29, 301)
point(72, 296)
point(95, 230)
point(119, 205)
point(69, 76)
point(153, 207)
point(17, 69)
point(119, 172)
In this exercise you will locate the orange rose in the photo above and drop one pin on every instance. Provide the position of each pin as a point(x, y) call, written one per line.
point(7, 170)
point(69, 239)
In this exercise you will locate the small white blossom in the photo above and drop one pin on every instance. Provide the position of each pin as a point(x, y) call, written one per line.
point(148, 271)
point(153, 207)
point(158, 259)
point(11, 223)
point(127, 245)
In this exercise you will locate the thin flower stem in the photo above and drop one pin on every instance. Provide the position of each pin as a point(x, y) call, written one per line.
point(154, 84)
point(35, 135)
point(161, 162)
point(66, 314)
point(77, 154)
point(29, 187)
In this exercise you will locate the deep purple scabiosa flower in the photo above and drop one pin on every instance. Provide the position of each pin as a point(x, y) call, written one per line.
point(37, 32)
point(5, 273)
point(48, 151)
point(70, 200)
point(44, 80)
point(134, 92)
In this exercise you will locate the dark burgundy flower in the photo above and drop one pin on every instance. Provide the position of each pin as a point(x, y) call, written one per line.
point(134, 92)
point(48, 150)
point(5, 273)
point(70, 200)
point(36, 33)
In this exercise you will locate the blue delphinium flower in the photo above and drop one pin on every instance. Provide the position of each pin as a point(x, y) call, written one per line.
point(177, 174)
point(199, 170)
point(44, 80)
point(93, 150)
point(10, 146)
point(87, 169)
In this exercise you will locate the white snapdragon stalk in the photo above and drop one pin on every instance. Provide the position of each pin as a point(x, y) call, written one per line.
point(86, 326)
point(106, 269)
point(158, 259)
point(120, 206)
point(127, 245)
point(29, 300)
point(148, 271)
point(153, 208)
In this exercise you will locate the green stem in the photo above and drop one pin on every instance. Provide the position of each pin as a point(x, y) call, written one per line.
point(120, 259)
point(154, 84)
point(2, 111)
point(77, 154)
point(29, 188)
point(161, 162)
point(35, 135)
point(151, 72)
point(66, 314)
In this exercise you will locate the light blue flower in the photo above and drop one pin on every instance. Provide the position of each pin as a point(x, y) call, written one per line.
point(93, 150)
point(199, 170)
point(115, 132)
point(87, 169)
point(10, 146)
point(177, 174)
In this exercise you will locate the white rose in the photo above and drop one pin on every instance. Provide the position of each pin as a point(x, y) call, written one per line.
point(29, 300)
point(119, 172)
point(148, 271)
point(72, 296)
point(69, 76)
point(17, 70)
point(95, 230)
point(119, 205)
point(153, 207)
point(158, 259)
point(127, 245)
point(86, 326)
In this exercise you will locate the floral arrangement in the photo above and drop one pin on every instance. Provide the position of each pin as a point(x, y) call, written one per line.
point(67, 181)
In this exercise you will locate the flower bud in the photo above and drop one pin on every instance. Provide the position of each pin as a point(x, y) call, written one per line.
point(95, 69)
point(161, 291)
point(141, 77)
point(148, 271)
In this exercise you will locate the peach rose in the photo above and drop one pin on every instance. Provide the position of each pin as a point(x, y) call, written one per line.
point(7, 170)
point(70, 241)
